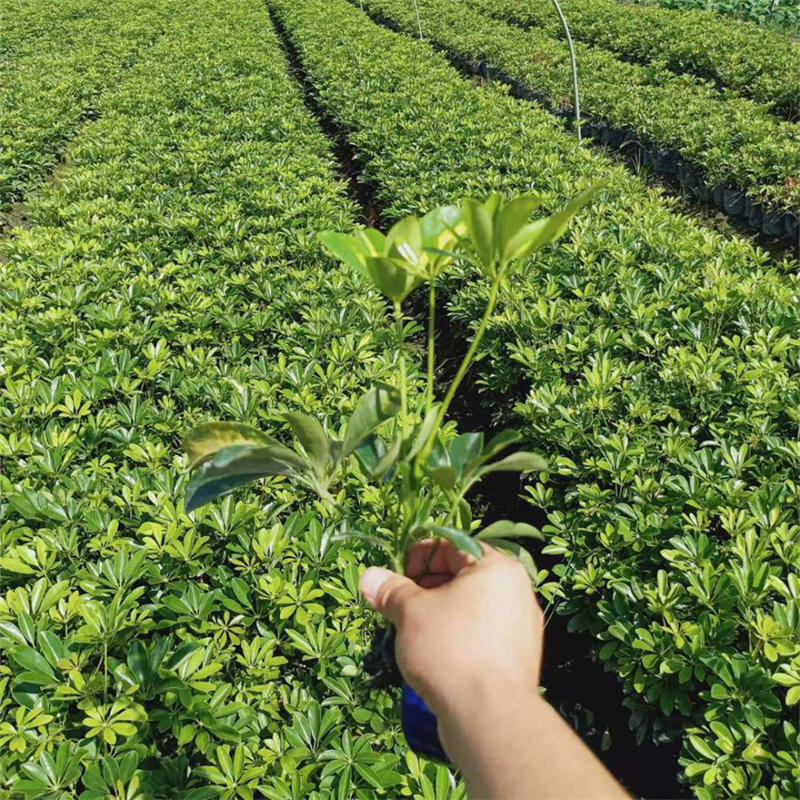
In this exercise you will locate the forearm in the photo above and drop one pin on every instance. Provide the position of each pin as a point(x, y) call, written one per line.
point(510, 744)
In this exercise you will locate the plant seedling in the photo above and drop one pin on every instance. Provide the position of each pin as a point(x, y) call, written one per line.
point(422, 478)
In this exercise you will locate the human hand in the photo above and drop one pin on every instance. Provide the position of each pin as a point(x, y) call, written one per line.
point(461, 624)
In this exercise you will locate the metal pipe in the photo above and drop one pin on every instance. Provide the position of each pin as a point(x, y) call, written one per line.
point(419, 22)
point(574, 65)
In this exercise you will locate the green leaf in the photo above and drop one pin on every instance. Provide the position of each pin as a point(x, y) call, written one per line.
point(209, 438)
point(507, 529)
point(369, 453)
point(346, 248)
point(703, 748)
point(376, 407)
point(392, 277)
point(423, 430)
point(404, 241)
point(444, 476)
point(463, 541)
point(388, 459)
point(311, 435)
point(480, 230)
point(536, 235)
point(441, 226)
point(464, 448)
point(512, 216)
point(36, 664)
point(235, 466)
point(12, 631)
point(500, 442)
point(522, 461)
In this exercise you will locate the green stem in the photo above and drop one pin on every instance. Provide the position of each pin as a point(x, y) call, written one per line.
point(465, 362)
point(398, 315)
point(431, 344)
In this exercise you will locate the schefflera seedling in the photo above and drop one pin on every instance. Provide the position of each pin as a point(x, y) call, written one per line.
point(423, 478)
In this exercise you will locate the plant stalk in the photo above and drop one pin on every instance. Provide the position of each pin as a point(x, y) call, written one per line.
point(431, 342)
point(398, 315)
point(465, 362)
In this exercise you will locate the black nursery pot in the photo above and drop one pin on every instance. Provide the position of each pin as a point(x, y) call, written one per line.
point(733, 202)
point(753, 213)
point(704, 193)
point(774, 224)
point(793, 229)
point(687, 176)
point(665, 161)
point(419, 722)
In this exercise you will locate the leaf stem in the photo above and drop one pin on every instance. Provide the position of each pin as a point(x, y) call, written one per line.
point(465, 362)
point(398, 315)
point(431, 342)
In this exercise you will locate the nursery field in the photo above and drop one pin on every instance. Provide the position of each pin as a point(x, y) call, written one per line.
point(166, 169)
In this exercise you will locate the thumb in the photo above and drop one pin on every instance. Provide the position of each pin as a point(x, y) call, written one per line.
point(387, 592)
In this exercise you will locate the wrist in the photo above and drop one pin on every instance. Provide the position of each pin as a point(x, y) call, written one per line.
point(477, 698)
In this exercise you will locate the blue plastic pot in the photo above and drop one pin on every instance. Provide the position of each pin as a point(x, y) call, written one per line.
point(420, 728)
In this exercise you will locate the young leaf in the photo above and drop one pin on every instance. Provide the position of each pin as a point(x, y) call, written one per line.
point(346, 248)
point(516, 462)
point(510, 219)
point(480, 230)
point(423, 430)
point(311, 435)
point(506, 529)
point(533, 237)
point(463, 541)
point(404, 241)
point(500, 442)
point(373, 409)
point(389, 458)
point(203, 441)
point(369, 453)
point(465, 447)
point(235, 466)
point(392, 277)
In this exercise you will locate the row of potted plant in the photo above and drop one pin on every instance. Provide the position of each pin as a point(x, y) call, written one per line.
point(55, 62)
point(752, 61)
point(782, 16)
point(727, 142)
point(655, 362)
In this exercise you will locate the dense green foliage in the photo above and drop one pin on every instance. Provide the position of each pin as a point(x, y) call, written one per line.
point(56, 60)
point(171, 276)
point(662, 367)
point(754, 62)
point(779, 14)
point(733, 141)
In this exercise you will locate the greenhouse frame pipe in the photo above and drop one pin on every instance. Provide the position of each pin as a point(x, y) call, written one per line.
point(574, 66)
point(419, 21)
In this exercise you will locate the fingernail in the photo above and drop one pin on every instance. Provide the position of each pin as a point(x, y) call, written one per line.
point(371, 582)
